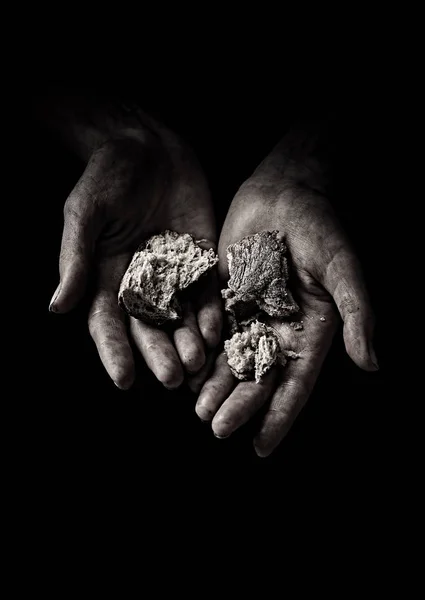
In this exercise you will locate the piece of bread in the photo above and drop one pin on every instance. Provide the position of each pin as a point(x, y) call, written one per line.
point(258, 271)
point(252, 352)
point(257, 287)
point(161, 267)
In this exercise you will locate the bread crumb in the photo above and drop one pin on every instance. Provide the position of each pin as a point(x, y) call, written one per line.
point(291, 354)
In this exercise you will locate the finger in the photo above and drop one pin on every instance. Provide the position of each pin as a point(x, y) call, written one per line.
point(242, 404)
point(189, 343)
point(298, 379)
point(210, 312)
point(344, 280)
point(107, 324)
point(215, 390)
point(81, 229)
point(159, 353)
point(196, 381)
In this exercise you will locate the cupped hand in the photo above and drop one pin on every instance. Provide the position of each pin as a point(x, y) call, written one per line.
point(325, 279)
point(137, 182)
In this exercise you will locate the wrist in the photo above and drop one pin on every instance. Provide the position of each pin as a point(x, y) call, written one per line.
point(301, 158)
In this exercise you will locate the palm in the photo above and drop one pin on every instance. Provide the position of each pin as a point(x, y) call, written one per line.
point(303, 239)
point(317, 251)
point(128, 192)
point(141, 195)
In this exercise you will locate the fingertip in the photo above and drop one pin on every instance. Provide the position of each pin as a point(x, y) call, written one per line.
point(264, 446)
point(196, 382)
point(124, 384)
point(358, 358)
point(221, 427)
point(123, 375)
point(67, 297)
point(357, 349)
point(171, 377)
point(215, 390)
point(211, 331)
point(261, 452)
point(203, 407)
point(52, 305)
point(194, 360)
point(273, 430)
point(358, 344)
point(190, 349)
point(203, 412)
point(373, 357)
point(365, 364)
point(189, 343)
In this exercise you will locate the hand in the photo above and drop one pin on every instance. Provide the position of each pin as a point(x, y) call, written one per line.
point(139, 180)
point(325, 276)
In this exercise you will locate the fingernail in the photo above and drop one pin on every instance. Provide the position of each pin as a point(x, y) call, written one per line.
point(221, 437)
point(261, 453)
point(171, 388)
point(123, 387)
point(373, 358)
point(52, 307)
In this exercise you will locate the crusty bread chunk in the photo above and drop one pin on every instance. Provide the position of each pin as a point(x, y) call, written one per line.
point(162, 266)
point(258, 271)
point(252, 352)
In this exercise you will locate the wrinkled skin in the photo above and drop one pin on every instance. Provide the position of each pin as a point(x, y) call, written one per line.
point(325, 279)
point(138, 181)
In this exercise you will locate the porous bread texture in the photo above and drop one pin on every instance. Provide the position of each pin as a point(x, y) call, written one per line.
point(162, 266)
point(258, 271)
point(257, 287)
point(253, 351)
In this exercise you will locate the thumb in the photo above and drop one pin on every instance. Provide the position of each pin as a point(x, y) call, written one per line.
point(78, 242)
point(343, 279)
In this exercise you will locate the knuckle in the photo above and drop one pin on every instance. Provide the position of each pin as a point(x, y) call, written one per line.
point(301, 391)
point(349, 305)
point(211, 334)
point(101, 320)
point(130, 146)
point(151, 346)
point(71, 210)
point(292, 395)
point(280, 415)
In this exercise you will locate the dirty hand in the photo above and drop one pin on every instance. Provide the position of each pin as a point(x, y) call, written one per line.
point(325, 278)
point(139, 179)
